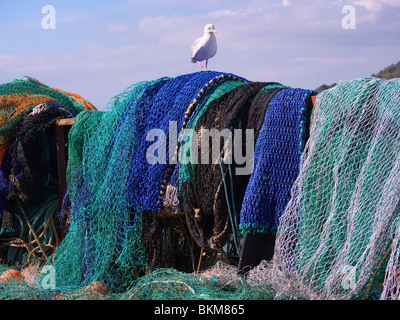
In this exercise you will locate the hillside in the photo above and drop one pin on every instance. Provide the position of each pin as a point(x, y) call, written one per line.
point(390, 72)
point(325, 87)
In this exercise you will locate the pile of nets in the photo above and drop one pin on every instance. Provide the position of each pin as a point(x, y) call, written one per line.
point(29, 201)
point(220, 282)
point(155, 214)
point(116, 227)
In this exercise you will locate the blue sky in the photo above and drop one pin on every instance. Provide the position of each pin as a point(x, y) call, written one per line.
point(100, 47)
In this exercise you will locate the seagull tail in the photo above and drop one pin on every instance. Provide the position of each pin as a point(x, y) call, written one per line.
point(192, 60)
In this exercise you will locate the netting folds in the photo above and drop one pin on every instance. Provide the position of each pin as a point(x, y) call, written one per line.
point(212, 191)
point(337, 231)
point(103, 240)
point(106, 240)
point(276, 160)
point(28, 167)
point(25, 93)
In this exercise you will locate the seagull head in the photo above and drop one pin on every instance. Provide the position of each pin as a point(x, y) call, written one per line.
point(209, 28)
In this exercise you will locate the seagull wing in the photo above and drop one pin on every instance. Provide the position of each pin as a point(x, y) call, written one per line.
point(195, 47)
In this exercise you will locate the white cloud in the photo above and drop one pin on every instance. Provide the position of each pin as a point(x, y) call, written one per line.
point(8, 60)
point(226, 13)
point(162, 24)
point(113, 27)
point(286, 3)
point(329, 60)
point(371, 5)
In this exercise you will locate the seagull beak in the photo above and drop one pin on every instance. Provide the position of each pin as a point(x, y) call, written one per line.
point(215, 31)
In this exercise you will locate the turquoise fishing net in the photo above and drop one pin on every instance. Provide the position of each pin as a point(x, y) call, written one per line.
point(103, 240)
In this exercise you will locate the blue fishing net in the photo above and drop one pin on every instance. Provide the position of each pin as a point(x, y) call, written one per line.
point(277, 157)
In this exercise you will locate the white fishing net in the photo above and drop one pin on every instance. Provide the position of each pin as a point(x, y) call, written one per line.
point(339, 233)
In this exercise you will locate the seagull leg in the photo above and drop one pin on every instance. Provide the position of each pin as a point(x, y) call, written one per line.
point(201, 66)
point(206, 64)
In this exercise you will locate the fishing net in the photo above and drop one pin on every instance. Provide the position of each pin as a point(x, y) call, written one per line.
point(183, 169)
point(136, 223)
point(23, 94)
point(29, 200)
point(114, 229)
point(220, 282)
point(167, 112)
point(341, 224)
point(276, 160)
point(172, 213)
point(152, 184)
point(33, 163)
point(84, 126)
point(277, 155)
point(103, 239)
point(212, 191)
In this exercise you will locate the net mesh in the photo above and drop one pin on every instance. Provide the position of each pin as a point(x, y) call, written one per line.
point(213, 190)
point(336, 234)
point(106, 238)
point(23, 94)
point(135, 231)
point(276, 160)
point(103, 239)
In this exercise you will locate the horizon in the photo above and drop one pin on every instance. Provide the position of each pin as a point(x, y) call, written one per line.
point(97, 49)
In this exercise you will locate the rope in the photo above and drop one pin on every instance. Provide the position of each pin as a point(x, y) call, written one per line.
point(48, 228)
point(233, 225)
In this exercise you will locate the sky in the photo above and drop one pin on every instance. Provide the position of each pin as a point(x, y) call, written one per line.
point(98, 48)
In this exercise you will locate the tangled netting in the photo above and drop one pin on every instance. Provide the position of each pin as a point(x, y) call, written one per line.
point(114, 225)
point(207, 203)
point(28, 167)
point(25, 93)
point(153, 216)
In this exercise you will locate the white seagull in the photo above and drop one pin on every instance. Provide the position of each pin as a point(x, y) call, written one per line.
point(205, 47)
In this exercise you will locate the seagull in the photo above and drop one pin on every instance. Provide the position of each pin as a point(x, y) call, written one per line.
point(205, 47)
